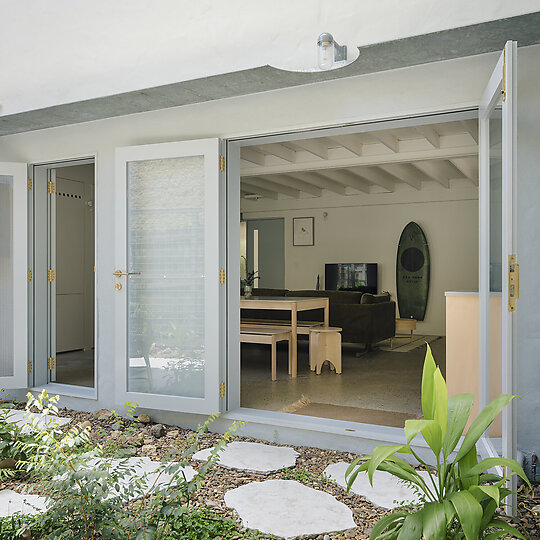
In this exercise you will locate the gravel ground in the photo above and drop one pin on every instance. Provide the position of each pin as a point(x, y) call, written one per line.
point(309, 467)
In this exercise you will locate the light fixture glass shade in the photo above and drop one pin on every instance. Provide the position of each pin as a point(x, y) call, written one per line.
point(325, 48)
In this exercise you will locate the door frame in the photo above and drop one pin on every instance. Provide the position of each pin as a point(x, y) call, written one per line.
point(39, 378)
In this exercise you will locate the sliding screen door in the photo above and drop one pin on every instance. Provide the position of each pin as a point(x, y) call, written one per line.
point(167, 276)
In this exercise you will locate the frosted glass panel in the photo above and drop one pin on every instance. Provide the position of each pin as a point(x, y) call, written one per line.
point(495, 200)
point(166, 244)
point(6, 276)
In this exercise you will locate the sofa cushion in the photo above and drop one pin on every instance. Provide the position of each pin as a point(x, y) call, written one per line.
point(335, 297)
point(368, 298)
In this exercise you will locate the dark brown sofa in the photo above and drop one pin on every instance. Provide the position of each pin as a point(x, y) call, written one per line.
point(365, 323)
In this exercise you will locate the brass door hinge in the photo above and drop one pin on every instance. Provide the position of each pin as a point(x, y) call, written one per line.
point(50, 275)
point(222, 389)
point(51, 363)
point(30, 366)
point(221, 163)
point(30, 275)
point(221, 276)
point(513, 282)
point(30, 184)
point(51, 188)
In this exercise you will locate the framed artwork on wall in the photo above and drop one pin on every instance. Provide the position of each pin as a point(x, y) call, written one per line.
point(303, 231)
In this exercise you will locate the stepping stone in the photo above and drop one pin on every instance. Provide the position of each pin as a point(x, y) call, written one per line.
point(144, 468)
point(24, 420)
point(386, 488)
point(288, 509)
point(252, 457)
point(12, 503)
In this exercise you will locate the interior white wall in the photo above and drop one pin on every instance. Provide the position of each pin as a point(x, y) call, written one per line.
point(366, 228)
point(99, 48)
point(414, 90)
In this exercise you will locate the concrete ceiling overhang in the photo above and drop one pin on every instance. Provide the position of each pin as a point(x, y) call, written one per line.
point(437, 46)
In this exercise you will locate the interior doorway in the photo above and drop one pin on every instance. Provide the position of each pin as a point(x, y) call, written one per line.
point(64, 269)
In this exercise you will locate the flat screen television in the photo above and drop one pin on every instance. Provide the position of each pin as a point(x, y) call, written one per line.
point(351, 277)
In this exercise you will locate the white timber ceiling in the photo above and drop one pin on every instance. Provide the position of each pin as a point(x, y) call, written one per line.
point(440, 155)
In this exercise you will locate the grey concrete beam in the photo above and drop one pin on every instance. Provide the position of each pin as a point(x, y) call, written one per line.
point(445, 45)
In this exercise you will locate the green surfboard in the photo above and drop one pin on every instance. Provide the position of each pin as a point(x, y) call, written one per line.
point(412, 273)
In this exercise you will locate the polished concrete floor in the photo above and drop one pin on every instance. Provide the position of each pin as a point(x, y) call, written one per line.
point(75, 367)
point(375, 380)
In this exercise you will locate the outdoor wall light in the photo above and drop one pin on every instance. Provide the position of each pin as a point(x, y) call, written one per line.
point(329, 51)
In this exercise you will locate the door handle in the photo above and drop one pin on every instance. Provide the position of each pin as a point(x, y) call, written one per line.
point(119, 273)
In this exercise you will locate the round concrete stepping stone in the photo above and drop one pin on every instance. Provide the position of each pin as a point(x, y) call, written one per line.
point(288, 509)
point(12, 503)
point(386, 488)
point(252, 457)
point(24, 420)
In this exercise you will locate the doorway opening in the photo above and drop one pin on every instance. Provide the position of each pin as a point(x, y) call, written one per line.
point(382, 221)
point(64, 269)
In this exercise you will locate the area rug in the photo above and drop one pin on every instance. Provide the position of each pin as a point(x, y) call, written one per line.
point(306, 407)
point(402, 343)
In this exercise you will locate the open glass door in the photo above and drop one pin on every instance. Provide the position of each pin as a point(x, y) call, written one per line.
point(498, 269)
point(167, 277)
point(14, 276)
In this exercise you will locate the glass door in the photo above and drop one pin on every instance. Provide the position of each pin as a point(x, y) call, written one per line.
point(14, 276)
point(167, 279)
point(498, 284)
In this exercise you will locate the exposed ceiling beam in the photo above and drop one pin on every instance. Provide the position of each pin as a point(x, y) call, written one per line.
point(259, 191)
point(408, 174)
point(387, 139)
point(287, 180)
point(376, 176)
point(350, 142)
point(471, 127)
point(469, 167)
point(248, 154)
point(434, 171)
point(263, 182)
point(340, 163)
point(347, 178)
point(321, 181)
point(313, 146)
point(430, 134)
point(280, 151)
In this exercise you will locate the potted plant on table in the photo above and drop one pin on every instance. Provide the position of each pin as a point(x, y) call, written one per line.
point(460, 501)
point(248, 281)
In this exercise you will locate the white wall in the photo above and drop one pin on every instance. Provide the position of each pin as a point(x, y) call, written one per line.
point(366, 228)
point(415, 90)
point(74, 49)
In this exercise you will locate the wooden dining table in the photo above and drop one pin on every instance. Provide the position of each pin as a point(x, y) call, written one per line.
point(294, 305)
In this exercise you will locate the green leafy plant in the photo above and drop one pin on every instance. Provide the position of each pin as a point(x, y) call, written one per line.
point(461, 501)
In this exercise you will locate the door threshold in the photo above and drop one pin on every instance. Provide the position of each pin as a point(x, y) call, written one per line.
point(70, 390)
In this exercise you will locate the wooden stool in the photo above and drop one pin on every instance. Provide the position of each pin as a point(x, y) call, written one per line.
point(405, 325)
point(324, 345)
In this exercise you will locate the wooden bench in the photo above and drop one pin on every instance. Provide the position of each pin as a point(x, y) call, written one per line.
point(267, 335)
point(303, 327)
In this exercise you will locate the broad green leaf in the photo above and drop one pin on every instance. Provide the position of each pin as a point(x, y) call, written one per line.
point(459, 408)
point(427, 385)
point(490, 491)
point(489, 510)
point(433, 436)
point(403, 474)
point(465, 465)
point(499, 523)
point(384, 523)
point(412, 527)
point(488, 478)
point(379, 455)
point(469, 512)
point(482, 422)
point(449, 511)
point(414, 427)
point(488, 463)
point(440, 394)
point(434, 518)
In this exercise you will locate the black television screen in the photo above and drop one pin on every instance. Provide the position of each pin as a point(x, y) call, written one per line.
point(351, 277)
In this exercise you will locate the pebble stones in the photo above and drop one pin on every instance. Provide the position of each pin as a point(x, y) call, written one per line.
point(385, 490)
point(288, 509)
point(253, 457)
point(12, 502)
point(157, 431)
point(144, 418)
